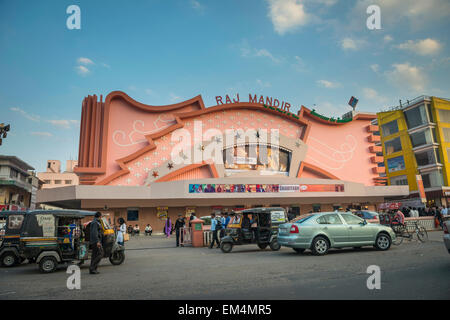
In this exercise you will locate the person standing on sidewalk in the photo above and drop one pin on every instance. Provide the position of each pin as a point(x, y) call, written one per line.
point(216, 225)
point(178, 225)
point(121, 231)
point(95, 241)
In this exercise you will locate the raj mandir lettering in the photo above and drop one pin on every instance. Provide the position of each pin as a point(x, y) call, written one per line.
point(267, 102)
point(254, 99)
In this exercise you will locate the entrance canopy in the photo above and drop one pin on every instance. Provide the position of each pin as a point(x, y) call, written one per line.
point(219, 191)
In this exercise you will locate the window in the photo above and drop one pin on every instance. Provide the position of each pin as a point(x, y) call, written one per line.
point(392, 146)
point(15, 222)
point(399, 181)
point(432, 179)
point(416, 117)
point(396, 164)
point(329, 219)
point(351, 219)
point(57, 181)
point(47, 181)
point(444, 115)
point(132, 214)
point(421, 138)
point(427, 157)
point(446, 133)
point(316, 207)
point(68, 181)
point(13, 173)
point(389, 128)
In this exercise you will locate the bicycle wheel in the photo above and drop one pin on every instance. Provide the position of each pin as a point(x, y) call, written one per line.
point(398, 239)
point(422, 234)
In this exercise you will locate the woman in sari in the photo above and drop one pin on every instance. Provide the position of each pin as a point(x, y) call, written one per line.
point(168, 227)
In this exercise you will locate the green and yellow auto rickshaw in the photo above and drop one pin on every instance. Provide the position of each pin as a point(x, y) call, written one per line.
point(254, 226)
point(52, 237)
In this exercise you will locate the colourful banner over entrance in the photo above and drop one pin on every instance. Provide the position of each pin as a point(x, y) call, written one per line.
point(251, 188)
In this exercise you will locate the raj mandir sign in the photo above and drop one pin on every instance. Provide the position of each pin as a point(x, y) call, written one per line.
point(267, 102)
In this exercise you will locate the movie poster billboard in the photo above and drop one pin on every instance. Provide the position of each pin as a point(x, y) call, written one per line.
point(260, 188)
point(162, 212)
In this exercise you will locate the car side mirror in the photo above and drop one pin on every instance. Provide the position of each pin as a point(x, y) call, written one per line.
point(364, 222)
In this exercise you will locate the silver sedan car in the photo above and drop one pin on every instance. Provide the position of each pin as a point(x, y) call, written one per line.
point(322, 231)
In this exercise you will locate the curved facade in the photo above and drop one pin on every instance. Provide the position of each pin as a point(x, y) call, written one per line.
point(234, 154)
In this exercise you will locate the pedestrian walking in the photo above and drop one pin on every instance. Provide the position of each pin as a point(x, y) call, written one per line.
point(168, 227)
point(216, 225)
point(121, 232)
point(178, 231)
point(95, 242)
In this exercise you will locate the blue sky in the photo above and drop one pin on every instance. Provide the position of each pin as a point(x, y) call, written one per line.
point(306, 52)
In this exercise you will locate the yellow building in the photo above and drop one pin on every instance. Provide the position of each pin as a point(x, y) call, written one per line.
point(416, 141)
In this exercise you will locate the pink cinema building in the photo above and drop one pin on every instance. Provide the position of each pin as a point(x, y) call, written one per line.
point(145, 163)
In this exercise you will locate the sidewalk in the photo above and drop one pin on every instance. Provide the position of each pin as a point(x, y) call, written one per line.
point(156, 241)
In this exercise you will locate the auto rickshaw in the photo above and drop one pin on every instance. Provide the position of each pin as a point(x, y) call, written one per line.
point(264, 232)
point(52, 237)
point(10, 226)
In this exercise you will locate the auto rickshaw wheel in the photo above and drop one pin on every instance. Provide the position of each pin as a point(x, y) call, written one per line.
point(226, 247)
point(262, 246)
point(274, 245)
point(117, 258)
point(48, 265)
point(9, 259)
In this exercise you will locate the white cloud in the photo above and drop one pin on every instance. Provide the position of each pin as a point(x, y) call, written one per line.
point(407, 76)
point(422, 47)
point(417, 12)
point(66, 124)
point(41, 134)
point(26, 114)
point(149, 92)
point(247, 51)
point(263, 84)
point(266, 53)
point(326, 2)
point(387, 38)
point(174, 98)
point(197, 6)
point(328, 84)
point(85, 61)
point(375, 68)
point(372, 94)
point(299, 64)
point(82, 70)
point(349, 44)
point(106, 65)
point(287, 15)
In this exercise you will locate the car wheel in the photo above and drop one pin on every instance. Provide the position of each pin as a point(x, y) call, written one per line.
point(299, 250)
point(226, 247)
point(275, 246)
point(320, 246)
point(48, 264)
point(262, 246)
point(9, 259)
point(117, 258)
point(383, 242)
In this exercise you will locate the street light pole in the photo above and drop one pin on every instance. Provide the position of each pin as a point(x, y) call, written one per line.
point(3, 131)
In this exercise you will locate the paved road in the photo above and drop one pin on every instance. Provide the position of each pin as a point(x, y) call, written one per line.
point(154, 269)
